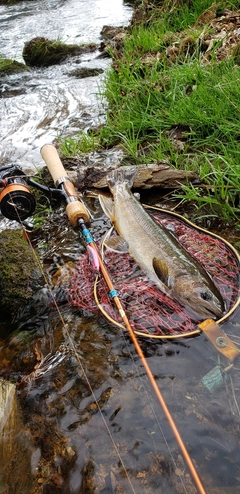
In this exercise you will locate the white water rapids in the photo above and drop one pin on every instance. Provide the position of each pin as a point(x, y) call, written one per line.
point(38, 106)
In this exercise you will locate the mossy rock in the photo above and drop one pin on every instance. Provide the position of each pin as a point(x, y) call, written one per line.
point(19, 275)
point(42, 52)
point(8, 66)
point(84, 72)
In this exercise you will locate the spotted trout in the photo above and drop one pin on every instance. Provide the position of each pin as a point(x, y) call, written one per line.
point(156, 251)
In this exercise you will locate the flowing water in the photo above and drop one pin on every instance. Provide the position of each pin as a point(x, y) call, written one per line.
point(77, 414)
point(38, 106)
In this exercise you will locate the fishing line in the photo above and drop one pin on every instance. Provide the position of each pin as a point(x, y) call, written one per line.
point(89, 385)
point(143, 381)
point(150, 402)
point(123, 333)
point(37, 260)
point(78, 216)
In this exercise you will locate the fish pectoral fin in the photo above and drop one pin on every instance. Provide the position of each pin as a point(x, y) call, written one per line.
point(161, 270)
point(107, 205)
point(117, 244)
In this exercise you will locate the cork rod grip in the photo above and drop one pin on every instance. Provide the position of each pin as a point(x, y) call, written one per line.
point(75, 209)
point(53, 162)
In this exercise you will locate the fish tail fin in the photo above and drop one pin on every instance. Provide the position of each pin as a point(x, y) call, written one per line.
point(122, 175)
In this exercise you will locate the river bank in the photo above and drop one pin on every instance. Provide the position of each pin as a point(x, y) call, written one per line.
point(172, 93)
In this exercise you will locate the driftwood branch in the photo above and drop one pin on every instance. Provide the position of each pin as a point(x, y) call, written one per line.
point(159, 175)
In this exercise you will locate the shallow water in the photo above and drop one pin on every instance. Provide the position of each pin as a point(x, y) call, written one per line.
point(85, 419)
point(38, 106)
point(93, 423)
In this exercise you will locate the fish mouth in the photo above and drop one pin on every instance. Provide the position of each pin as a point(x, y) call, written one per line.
point(207, 311)
point(215, 307)
point(199, 298)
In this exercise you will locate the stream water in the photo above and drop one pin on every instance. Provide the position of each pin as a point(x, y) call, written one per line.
point(79, 414)
point(85, 419)
point(38, 106)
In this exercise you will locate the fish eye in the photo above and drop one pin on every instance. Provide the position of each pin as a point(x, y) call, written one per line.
point(206, 295)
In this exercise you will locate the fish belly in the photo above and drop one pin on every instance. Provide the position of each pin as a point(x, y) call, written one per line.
point(145, 238)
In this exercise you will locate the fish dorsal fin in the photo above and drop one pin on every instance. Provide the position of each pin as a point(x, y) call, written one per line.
point(161, 270)
point(117, 244)
point(107, 205)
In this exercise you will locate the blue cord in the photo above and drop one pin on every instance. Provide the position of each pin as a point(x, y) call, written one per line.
point(87, 235)
point(113, 293)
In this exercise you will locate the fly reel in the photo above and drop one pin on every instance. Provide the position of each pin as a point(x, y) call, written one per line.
point(16, 200)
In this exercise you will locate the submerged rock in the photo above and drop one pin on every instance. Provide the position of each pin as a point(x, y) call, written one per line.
point(83, 72)
point(15, 444)
point(20, 277)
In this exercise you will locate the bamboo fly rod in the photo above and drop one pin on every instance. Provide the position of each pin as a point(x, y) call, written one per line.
point(78, 216)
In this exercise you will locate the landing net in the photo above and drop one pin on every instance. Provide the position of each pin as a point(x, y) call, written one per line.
point(150, 312)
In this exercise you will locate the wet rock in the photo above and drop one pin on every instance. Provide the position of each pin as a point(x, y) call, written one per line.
point(15, 447)
point(9, 92)
point(84, 72)
point(109, 32)
point(42, 52)
point(8, 66)
point(19, 275)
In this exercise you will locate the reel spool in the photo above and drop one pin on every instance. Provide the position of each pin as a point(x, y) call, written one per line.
point(16, 200)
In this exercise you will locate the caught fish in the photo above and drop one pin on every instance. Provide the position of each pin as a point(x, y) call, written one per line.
point(156, 250)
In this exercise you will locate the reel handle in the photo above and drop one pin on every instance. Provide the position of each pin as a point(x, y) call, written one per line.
point(75, 208)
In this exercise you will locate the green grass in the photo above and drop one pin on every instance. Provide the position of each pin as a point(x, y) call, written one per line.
point(151, 90)
point(180, 14)
point(80, 143)
point(9, 66)
point(221, 190)
point(204, 98)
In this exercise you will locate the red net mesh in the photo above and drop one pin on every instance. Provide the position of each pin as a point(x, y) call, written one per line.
point(150, 311)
